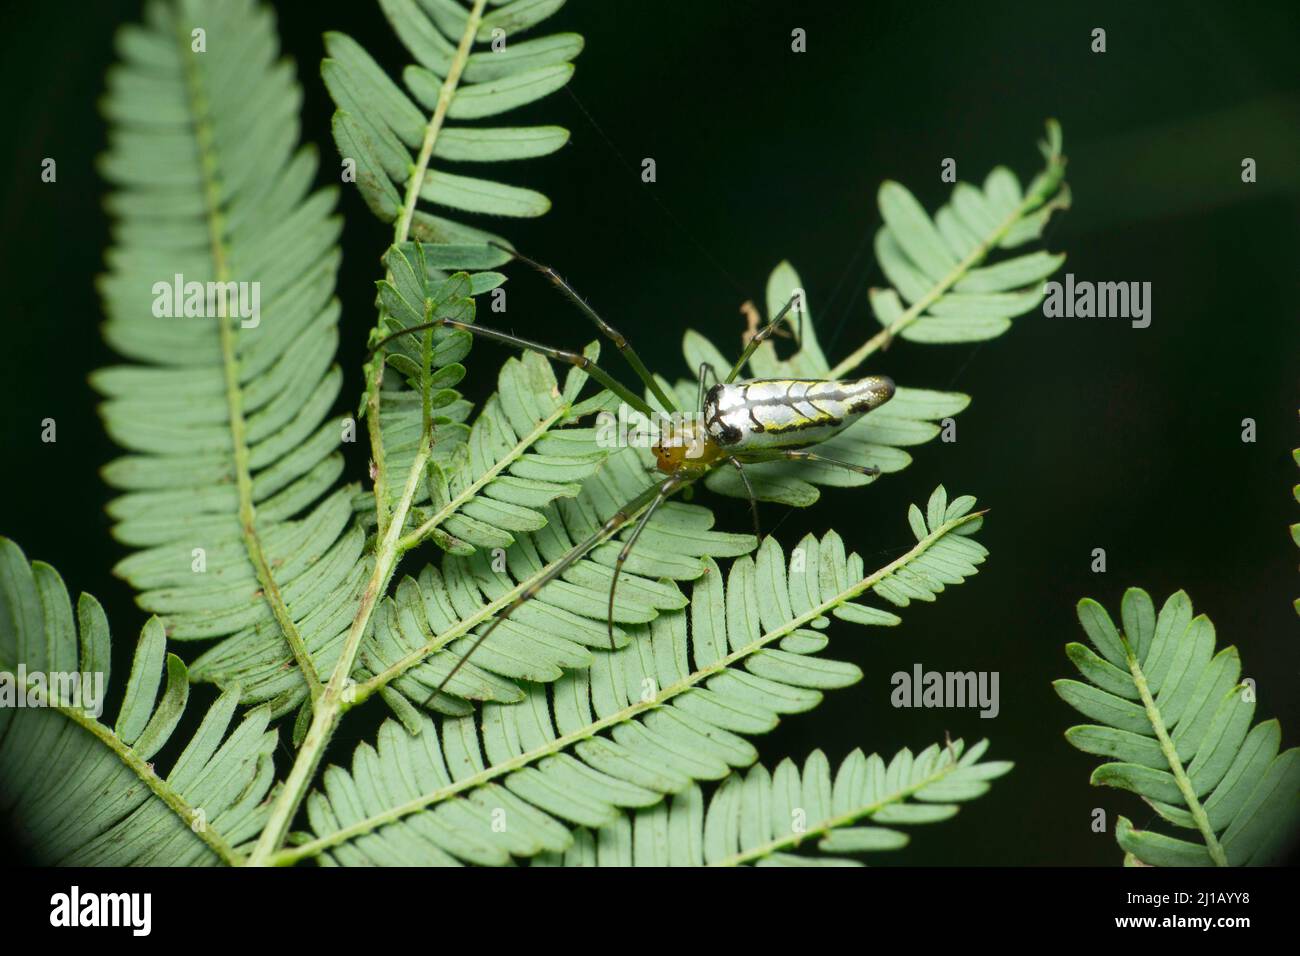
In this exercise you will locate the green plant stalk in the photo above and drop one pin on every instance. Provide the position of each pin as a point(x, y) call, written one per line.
point(1175, 764)
point(560, 744)
point(886, 335)
point(329, 706)
point(426, 410)
point(378, 464)
point(431, 131)
point(230, 364)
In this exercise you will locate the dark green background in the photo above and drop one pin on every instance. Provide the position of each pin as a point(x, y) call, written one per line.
point(1082, 433)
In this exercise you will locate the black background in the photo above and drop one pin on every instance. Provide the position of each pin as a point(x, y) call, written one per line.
point(1083, 433)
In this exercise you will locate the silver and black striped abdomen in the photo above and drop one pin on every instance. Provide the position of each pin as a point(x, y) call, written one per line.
point(789, 413)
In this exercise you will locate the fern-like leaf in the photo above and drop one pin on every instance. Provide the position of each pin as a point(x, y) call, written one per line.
point(437, 611)
point(670, 707)
point(1174, 717)
point(469, 66)
point(229, 496)
point(487, 482)
point(762, 818)
point(515, 462)
point(936, 267)
point(935, 264)
point(424, 630)
point(78, 792)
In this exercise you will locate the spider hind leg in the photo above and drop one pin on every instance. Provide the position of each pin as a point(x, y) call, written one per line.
point(799, 454)
point(614, 335)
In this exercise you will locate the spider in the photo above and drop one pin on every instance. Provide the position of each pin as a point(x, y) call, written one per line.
point(736, 423)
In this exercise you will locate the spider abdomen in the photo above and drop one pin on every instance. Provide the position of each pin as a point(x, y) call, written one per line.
point(788, 413)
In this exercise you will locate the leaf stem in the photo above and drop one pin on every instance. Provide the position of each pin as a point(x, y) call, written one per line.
point(330, 704)
point(431, 131)
point(230, 365)
point(401, 232)
point(1175, 764)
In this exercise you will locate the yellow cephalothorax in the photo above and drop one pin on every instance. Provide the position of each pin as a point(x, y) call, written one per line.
point(687, 448)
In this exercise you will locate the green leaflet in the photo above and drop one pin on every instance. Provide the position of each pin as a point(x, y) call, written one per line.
point(937, 267)
point(487, 482)
point(230, 502)
point(475, 493)
point(761, 817)
point(83, 794)
point(387, 131)
point(1175, 723)
point(672, 706)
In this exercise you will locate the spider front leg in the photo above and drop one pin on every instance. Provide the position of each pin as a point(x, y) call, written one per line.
point(614, 335)
point(705, 370)
point(559, 355)
point(765, 333)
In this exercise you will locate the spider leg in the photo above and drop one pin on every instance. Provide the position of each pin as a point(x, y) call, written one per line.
point(699, 395)
point(668, 487)
point(798, 454)
point(749, 489)
point(560, 355)
point(762, 335)
point(611, 525)
point(614, 335)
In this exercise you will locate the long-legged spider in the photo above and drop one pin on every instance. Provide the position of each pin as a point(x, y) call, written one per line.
point(736, 423)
